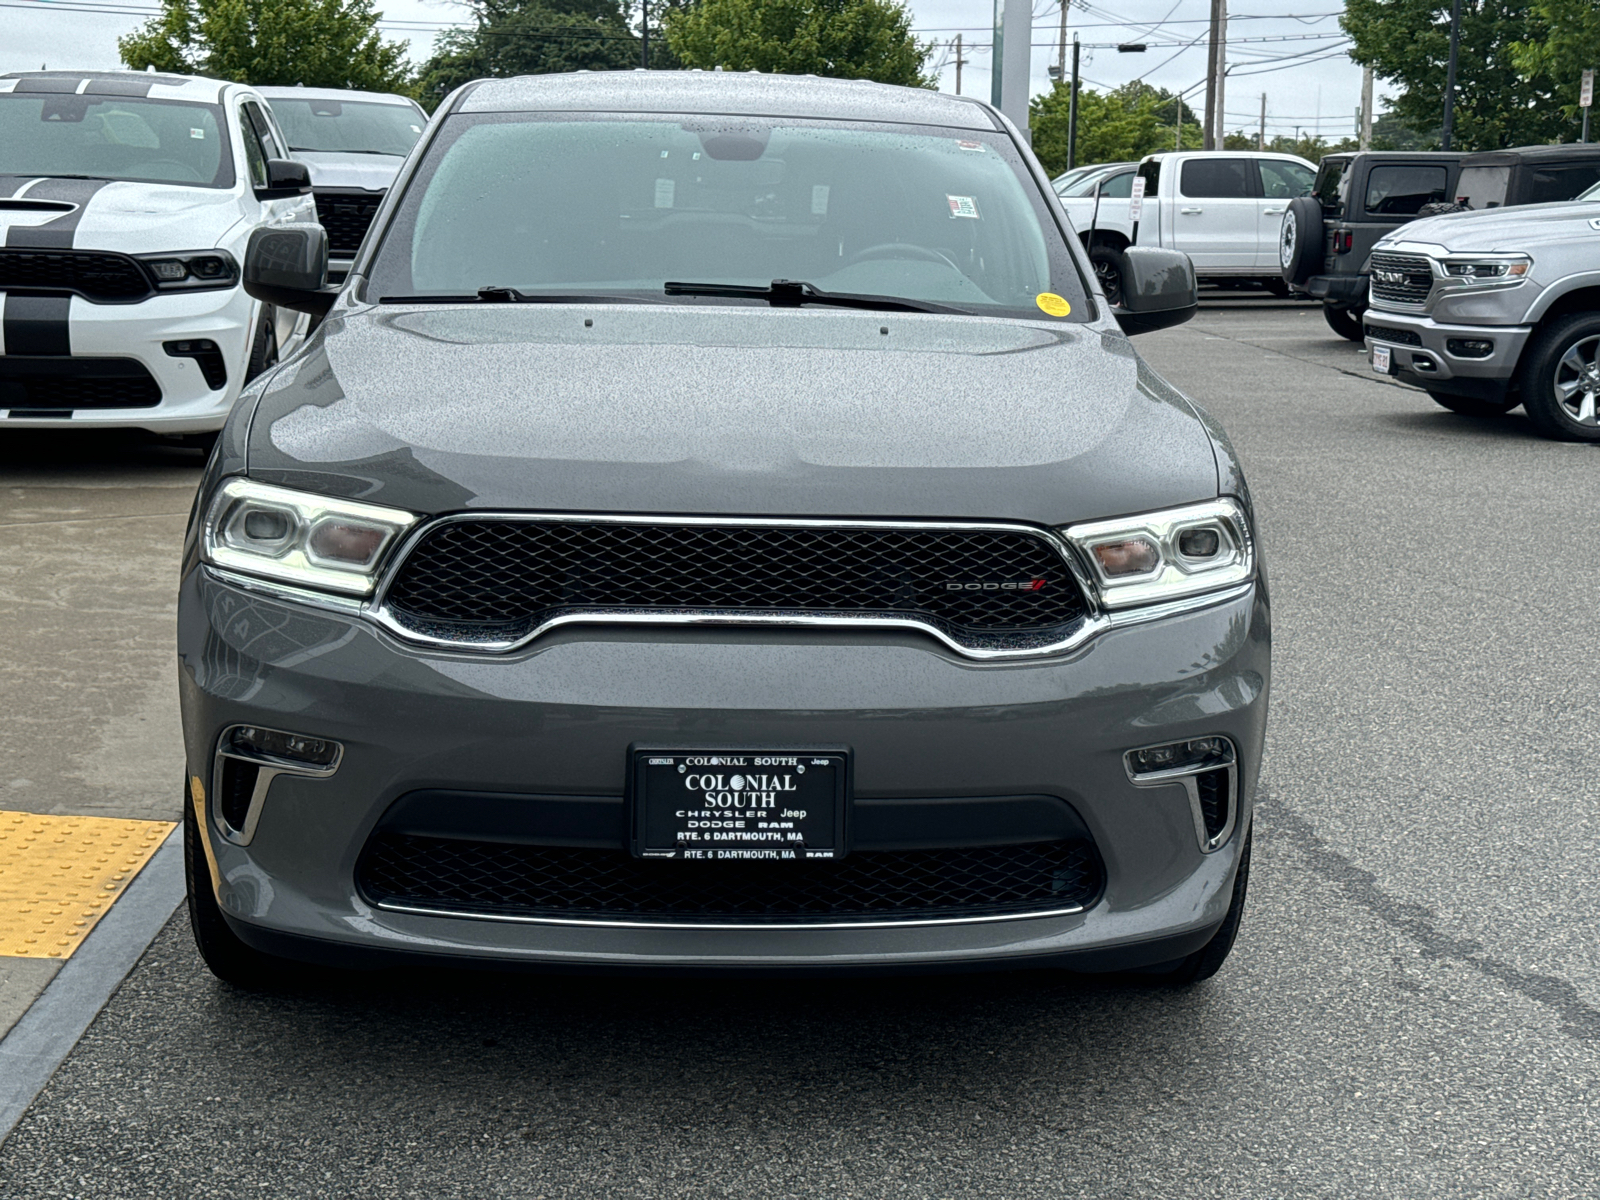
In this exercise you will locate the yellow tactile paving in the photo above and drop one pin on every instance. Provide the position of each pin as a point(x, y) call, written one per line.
point(59, 875)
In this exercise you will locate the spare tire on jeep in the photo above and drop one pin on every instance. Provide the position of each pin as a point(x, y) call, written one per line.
point(1437, 208)
point(1300, 240)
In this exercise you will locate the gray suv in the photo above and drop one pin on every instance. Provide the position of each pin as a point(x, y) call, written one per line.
point(1489, 310)
point(718, 525)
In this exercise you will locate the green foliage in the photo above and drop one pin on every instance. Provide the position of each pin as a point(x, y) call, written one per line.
point(1116, 126)
point(1505, 94)
point(845, 39)
point(1567, 46)
point(1306, 146)
point(531, 37)
point(320, 43)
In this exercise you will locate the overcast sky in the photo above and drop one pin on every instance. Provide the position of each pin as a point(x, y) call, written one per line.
point(1317, 91)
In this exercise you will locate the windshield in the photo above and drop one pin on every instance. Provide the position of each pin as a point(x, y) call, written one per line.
point(1592, 193)
point(348, 126)
point(581, 205)
point(114, 137)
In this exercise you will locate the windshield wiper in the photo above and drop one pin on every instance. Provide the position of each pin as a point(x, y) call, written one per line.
point(319, 150)
point(791, 293)
point(506, 295)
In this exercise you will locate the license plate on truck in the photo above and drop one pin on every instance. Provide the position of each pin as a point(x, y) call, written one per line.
point(1380, 359)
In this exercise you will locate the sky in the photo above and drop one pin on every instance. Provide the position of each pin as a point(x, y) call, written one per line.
point(1317, 91)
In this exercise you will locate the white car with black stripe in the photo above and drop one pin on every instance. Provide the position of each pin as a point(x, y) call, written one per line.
point(126, 201)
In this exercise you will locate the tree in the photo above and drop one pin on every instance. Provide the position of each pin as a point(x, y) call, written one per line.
point(1569, 47)
point(320, 43)
point(1307, 146)
point(846, 39)
point(1121, 125)
point(1498, 103)
point(531, 37)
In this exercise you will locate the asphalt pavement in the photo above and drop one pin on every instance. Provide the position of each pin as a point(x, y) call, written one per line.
point(1412, 1010)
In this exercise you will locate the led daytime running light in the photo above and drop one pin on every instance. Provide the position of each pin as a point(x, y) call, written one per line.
point(1168, 555)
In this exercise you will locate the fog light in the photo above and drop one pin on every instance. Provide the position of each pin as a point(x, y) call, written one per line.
point(1135, 556)
point(1469, 347)
point(1194, 754)
point(292, 747)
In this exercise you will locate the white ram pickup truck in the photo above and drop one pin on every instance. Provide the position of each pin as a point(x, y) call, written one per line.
point(1224, 209)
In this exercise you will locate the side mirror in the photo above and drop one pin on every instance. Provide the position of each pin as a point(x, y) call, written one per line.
point(286, 179)
point(287, 265)
point(1158, 290)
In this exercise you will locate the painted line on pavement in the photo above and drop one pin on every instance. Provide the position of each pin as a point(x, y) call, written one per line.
point(48, 1031)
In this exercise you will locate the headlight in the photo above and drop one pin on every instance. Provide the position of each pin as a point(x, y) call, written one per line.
point(1487, 269)
point(1167, 555)
point(191, 270)
point(300, 538)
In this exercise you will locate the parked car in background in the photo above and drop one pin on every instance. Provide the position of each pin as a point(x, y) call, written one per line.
point(1488, 310)
point(353, 142)
point(1223, 209)
point(1326, 237)
point(1527, 175)
point(126, 201)
point(1114, 179)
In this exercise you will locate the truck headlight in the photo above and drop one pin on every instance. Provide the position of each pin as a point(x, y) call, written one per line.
point(1167, 555)
point(1489, 268)
point(300, 538)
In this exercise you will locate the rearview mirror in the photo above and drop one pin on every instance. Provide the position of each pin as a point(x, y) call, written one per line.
point(287, 265)
point(286, 179)
point(1158, 290)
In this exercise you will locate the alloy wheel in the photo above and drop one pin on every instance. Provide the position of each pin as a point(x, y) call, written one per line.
point(1577, 382)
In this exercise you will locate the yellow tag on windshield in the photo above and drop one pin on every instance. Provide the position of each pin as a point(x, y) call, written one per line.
point(1053, 304)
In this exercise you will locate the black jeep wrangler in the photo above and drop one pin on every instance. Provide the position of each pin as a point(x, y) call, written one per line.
point(1527, 175)
point(1357, 199)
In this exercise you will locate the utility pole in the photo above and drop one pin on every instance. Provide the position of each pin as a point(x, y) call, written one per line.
point(1013, 48)
point(959, 61)
point(1261, 137)
point(1450, 75)
point(1061, 46)
point(644, 29)
point(1222, 74)
point(1366, 108)
point(1072, 110)
point(1209, 141)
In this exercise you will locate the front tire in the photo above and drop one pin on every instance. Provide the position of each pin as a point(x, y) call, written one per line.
point(1473, 406)
point(1345, 322)
point(1560, 379)
point(1110, 267)
point(264, 345)
point(225, 954)
point(1207, 961)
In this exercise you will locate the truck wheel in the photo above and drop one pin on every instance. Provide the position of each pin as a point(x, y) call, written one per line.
point(1343, 321)
point(1207, 961)
point(1300, 240)
point(228, 958)
point(1560, 379)
point(1474, 406)
point(1278, 288)
point(1109, 266)
point(264, 347)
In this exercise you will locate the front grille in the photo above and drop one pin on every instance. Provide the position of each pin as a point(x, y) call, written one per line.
point(496, 579)
point(1412, 281)
point(69, 383)
point(105, 278)
point(1388, 333)
point(499, 879)
point(345, 215)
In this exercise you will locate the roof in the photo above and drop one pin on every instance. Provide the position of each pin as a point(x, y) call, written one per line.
point(116, 83)
point(1424, 156)
point(347, 95)
point(726, 92)
point(1534, 154)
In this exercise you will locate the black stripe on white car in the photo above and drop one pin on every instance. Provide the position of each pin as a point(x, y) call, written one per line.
point(37, 325)
point(59, 233)
point(40, 324)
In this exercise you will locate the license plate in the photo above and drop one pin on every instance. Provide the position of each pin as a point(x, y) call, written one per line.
point(740, 805)
point(1380, 359)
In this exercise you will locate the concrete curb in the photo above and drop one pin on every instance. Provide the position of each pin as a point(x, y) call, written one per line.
point(51, 1027)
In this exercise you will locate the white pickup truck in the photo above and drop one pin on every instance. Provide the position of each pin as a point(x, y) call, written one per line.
point(1224, 209)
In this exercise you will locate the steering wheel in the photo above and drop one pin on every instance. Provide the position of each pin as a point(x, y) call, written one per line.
point(902, 250)
point(181, 168)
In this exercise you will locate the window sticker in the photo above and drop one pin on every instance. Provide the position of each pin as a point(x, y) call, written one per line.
point(198, 135)
point(665, 189)
point(1054, 305)
point(963, 206)
point(978, 146)
point(819, 200)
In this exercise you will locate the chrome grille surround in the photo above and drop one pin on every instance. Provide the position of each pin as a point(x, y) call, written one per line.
point(1401, 281)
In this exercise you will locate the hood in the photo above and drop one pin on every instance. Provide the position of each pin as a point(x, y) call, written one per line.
point(135, 218)
point(728, 410)
point(374, 172)
point(1519, 228)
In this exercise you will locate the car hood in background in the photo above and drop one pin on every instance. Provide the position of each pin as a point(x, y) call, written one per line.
point(728, 410)
point(134, 218)
point(374, 172)
point(1521, 227)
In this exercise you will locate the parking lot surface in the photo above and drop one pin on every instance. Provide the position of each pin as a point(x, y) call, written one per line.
point(1413, 1008)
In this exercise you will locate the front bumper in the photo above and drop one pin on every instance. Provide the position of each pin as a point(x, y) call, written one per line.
point(1420, 352)
point(188, 404)
point(558, 717)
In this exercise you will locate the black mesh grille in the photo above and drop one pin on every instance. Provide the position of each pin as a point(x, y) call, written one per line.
point(495, 878)
point(510, 576)
point(92, 275)
point(69, 383)
point(1409, 281)
point(346, 215)
point(1388, 333)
